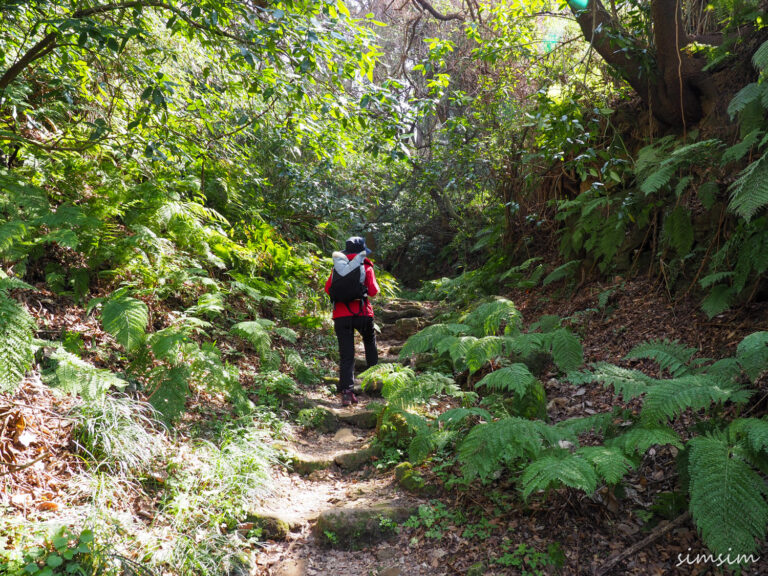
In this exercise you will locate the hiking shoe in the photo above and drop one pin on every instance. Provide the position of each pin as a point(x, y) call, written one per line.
point(348, 397)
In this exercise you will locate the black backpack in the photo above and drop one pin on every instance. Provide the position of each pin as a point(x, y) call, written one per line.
point(347, 288)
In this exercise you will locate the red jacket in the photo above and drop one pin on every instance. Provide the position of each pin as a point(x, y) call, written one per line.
point(344, 309)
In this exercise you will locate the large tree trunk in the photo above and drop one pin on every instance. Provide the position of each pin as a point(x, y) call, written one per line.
point(674, 87)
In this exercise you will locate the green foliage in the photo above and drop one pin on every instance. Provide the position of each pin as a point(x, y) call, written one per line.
point(67, 373)
point(560, 468)
point(638, 439)
point(671, 356)
point(678, 230)
point(752, 354)
point(171, 388)
point(303, 373)
point(126, 319)
point(473, 344)
point(488, 318)
point(16, 333)
point(63, 552)
point(727, 497)
point(256, 333)
point(119, 434)
point(211, 485)
point(527, 561)
point(749, 192)
point(515, 378)
point(563, 272)
point(428, 339)
point(671, 398)
point(490, 445)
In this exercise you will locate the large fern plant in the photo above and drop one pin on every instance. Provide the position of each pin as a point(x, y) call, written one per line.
point(491, 333)
point(16, 334)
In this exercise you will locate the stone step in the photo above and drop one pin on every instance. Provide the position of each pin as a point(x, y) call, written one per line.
point(350, 527)
point(390, 315)
point(329, 419)
point(348, 460)
point(361, 365)
point(402, 329)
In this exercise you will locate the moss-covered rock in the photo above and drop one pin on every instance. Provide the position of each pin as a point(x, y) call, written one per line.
point(365, 419)
point(357, 458)
point(305, 465)
point(272, 527)
point(410, 480)
point(394, 429)
point(354, 528)
point(407, 327)
point(319, 418)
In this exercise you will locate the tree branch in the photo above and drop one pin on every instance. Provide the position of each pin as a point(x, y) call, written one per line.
point(431, 9)
point(48, 42)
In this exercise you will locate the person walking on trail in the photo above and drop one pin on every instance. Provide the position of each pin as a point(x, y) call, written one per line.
point(350, 285)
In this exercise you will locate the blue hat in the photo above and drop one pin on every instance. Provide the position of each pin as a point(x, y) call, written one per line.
point(355, 245)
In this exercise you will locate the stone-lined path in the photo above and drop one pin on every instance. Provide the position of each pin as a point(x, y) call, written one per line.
point(332, 512)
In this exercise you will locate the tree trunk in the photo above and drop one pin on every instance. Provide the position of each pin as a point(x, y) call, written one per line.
point(674, 86)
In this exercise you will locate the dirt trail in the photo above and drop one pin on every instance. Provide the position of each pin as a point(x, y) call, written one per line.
point(339, 510)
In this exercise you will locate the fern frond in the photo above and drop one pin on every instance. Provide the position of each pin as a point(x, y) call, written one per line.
point(678, 230)
point(567, 353)
point(740, 149)
point(755, 430)
point(629, 383)
point(171, 391)
point(11, 233)
point(256, 333)
point(610, 463)
point(515, 378)
point(562, 272)
point(670, 398)
point(760, 57)
point(459, 348)
point(427, 441)
point(126, 319)
point(455, 416)
point(669, 355)
point(718, 300)
point(727, 497)
point(402, 394)
point(490, 445)
point(714, 278)
point(746, 95)
point(391, 376)
point(639, 439)
point(287, 334)
point(752, 354)
point(597, 423)
point(13, 283)
point(426, 340)
point(69, 374)
point(170, 344)
point(749, 192)
point(487, 319)
point(16, 353)
point(209, 304)
point(528, 343)
point(658, 178)
point(482, 351)
point(559, 469)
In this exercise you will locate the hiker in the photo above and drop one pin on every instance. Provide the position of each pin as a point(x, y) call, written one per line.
point(351, 283)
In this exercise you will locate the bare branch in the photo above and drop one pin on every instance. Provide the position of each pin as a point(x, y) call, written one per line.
point(431, 9)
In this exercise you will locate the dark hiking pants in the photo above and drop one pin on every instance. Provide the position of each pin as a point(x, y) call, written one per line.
point(345, 333)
